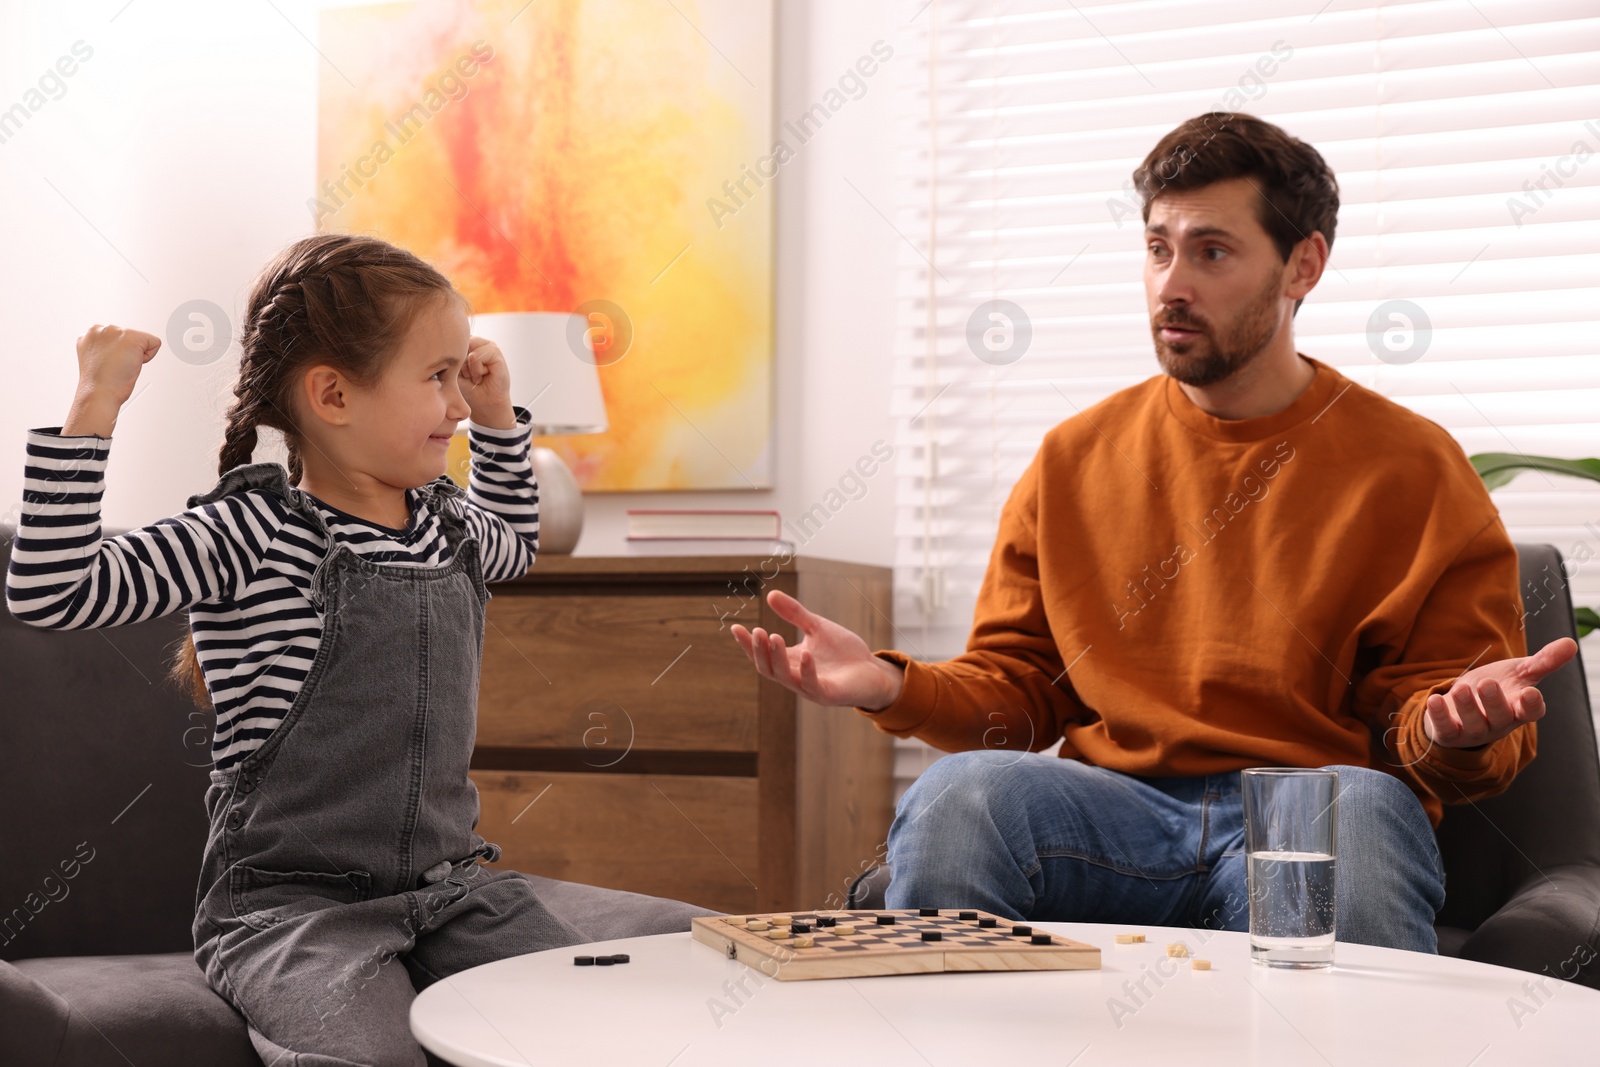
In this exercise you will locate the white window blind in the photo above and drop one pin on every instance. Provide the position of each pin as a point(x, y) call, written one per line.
point(1466, 140)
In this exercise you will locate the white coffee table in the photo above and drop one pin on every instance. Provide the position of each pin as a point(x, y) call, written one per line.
point(677, 1004)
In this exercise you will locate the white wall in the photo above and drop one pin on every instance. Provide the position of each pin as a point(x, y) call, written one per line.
point(180, 155)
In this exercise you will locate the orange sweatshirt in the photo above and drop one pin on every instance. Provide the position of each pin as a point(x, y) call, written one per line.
point(1178, 594)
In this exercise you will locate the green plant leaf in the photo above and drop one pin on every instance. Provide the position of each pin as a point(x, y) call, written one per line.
point(1498, 468)
point(1587, 620)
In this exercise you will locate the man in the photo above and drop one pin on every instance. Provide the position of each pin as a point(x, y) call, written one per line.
point(1249, 561)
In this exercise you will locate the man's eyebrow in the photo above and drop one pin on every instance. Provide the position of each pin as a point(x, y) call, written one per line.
point(1159, 229)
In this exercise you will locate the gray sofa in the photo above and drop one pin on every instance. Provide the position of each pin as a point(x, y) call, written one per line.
point(1522, 869)
point(103, 770)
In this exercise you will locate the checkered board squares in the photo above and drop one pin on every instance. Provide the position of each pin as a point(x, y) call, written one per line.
point(872, 949)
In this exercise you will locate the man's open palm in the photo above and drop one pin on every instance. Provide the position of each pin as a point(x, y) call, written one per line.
point(831, 665)
point(1488, 702)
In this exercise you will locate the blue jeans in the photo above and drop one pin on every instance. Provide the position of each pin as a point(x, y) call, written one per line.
point(1030, 836)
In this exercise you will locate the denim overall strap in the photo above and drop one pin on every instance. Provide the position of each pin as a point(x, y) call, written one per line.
point(270, 476)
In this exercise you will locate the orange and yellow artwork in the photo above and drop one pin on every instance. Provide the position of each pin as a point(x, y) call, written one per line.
point(552, 154)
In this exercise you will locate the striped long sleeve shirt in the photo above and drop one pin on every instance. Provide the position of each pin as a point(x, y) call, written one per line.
point(242, 565)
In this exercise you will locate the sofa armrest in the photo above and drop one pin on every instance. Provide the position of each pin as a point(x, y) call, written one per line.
point(33, 1020)
point(1550, 925)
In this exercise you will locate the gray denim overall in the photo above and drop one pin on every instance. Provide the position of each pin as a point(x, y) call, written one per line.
point(347, 839)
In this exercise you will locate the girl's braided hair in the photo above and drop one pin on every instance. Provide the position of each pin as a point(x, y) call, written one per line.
point(340, 300)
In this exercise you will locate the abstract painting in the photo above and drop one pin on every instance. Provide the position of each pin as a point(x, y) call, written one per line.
point(564, 154)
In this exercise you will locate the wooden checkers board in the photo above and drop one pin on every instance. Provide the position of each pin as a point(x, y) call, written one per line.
point(856, 944)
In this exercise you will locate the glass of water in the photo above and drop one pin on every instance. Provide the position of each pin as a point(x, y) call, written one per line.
point(1290, 829)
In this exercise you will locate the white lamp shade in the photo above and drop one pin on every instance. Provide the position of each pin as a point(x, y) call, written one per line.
point(559, 387)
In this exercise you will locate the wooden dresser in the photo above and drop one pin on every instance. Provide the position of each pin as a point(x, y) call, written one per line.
point(624, 740)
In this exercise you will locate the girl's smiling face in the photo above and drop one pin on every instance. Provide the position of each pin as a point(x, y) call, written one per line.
point(413, 410)
point(365, 442)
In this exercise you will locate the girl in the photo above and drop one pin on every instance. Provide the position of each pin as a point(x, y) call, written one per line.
point(336, 612)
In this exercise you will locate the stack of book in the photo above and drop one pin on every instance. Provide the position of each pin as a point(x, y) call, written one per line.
point(705, 532)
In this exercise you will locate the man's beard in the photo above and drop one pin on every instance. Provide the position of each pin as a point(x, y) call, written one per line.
point(1210, 357)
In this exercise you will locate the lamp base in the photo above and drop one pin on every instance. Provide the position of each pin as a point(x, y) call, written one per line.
point(560, 499)
point(560, 503)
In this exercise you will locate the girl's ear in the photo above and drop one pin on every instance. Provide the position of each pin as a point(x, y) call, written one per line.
point(326, 394)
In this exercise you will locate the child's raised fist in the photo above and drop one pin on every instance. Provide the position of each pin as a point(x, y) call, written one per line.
point(109, 359)
point(486, 384)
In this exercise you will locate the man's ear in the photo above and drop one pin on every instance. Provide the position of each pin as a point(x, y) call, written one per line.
point(326, 394)
point(1306, 263)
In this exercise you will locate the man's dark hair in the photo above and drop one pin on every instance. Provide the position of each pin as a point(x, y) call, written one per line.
point(1299, 194)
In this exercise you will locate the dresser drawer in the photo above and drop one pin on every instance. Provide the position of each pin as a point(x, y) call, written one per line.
point(609, 674)
point(625, 741)
point(689, 838)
